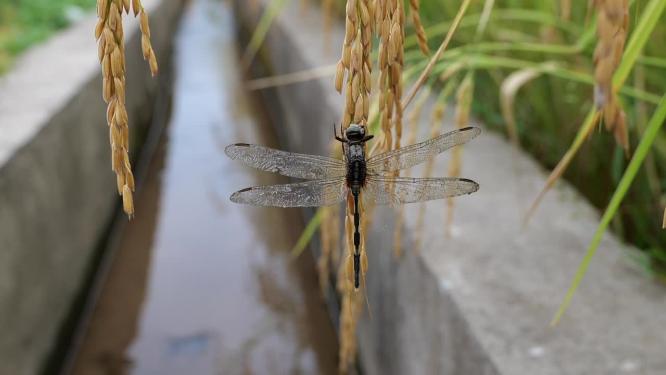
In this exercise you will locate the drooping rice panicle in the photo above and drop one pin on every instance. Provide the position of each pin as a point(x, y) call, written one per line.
point(421, 36)
point(356, 65)
point(111, 53)
point(612, 27)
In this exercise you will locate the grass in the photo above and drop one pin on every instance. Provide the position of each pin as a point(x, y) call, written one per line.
point(653, 128)
point(553, 105)
point(550, 108)
point(24, 23)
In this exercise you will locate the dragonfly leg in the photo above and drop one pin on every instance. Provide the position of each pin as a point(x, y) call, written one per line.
point(335, 134)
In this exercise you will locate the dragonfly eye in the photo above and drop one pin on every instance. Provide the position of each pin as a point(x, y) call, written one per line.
point(355, 132)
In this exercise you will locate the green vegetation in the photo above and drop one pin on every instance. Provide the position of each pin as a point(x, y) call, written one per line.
point(26, 22)
point(550, 107)
point(531, 66)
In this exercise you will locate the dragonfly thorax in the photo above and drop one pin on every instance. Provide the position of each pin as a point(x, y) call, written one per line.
point(355, 133)
point(355, 157)
point(355, 139)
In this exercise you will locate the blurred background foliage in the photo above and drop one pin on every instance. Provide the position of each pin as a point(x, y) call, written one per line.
point(26, 22)
point(550, 108)
point(542, 52)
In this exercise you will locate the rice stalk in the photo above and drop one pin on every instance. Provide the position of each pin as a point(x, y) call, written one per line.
point(485, 18)
point(482, 61)
point(433, 60)
point(421, 35)
point(630, 173)
point(512, 16)
point(308, 232)
point(291, 78)
point(641, 109)
point(565, 10)
point(111, 53)
point(336, 250)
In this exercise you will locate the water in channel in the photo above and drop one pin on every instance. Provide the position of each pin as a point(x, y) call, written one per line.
point(198, 284)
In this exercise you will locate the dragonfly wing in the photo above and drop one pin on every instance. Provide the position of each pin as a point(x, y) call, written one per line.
point(409, 156)
point(303, 194)
point(394, 191)
point(289, 164)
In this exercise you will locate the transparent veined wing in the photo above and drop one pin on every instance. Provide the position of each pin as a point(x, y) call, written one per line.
point(394, 191)
point(409, 156)
point(289, 164)
point(302, 194)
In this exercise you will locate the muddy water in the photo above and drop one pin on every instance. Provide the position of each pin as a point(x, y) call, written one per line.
point(200, 285)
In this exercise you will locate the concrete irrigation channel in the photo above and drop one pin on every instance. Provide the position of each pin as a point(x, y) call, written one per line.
point(57, 196)
point(195, 284)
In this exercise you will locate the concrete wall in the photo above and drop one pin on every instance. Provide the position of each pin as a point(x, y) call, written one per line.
point(57, 190)
point(480, 301)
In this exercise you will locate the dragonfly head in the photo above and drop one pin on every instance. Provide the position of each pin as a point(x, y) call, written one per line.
point(355, 133)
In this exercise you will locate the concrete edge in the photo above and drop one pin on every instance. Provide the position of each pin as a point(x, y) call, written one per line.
point(57, 190)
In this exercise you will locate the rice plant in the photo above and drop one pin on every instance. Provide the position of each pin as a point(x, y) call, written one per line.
point(552, 72)
point(111, 52)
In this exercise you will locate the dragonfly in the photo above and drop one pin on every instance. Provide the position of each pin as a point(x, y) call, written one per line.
point(331, 181)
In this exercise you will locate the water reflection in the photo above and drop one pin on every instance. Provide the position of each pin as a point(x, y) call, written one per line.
point(223, 295)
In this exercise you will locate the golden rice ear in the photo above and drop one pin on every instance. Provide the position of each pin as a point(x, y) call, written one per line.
point(339, 76)
point(143, 24)
point(612, 28)
point(364, 262)
point(102, 9)
point(421, 37)
point(349, 269)
point(136, 7)
point(361, 17)
point(110, 38)
point(120, 183)
point(128, 202)
point(152, 61)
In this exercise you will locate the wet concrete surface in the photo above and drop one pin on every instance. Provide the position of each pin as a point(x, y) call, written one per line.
point(198, 284)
